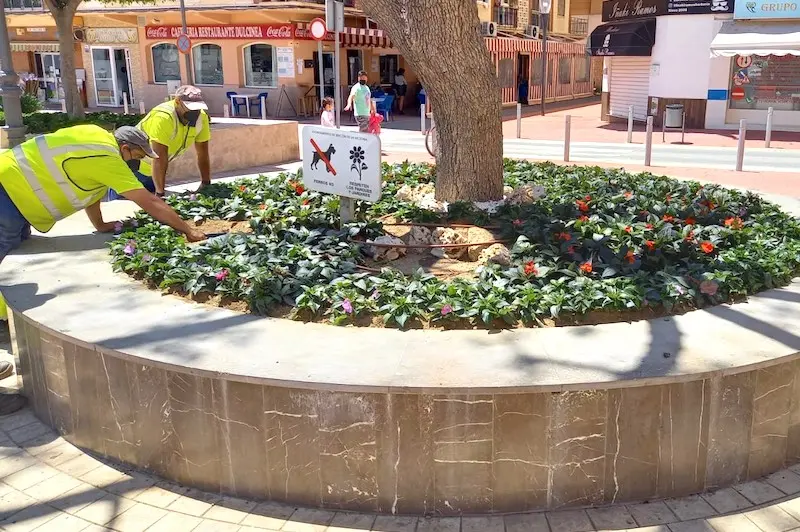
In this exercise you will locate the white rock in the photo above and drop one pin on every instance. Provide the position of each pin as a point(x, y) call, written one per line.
point(497, 254)
point(419, 236)
point(526, 194)
point(382, 253)
point(446, 235)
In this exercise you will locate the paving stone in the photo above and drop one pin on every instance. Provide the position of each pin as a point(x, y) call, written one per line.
point(733, 523)
point(792, 507)
point(483, 524)
point(175, 522)
point(786, 481)
point(105, 476)
point(653, 513)
point(342, 522)
point(772, 519)
point(30, 432)
point(692, 507)
point(30, 476)
point(59, 454)
point(697, 525)
point(43, 443)
point(230, 510)
point(657, 528)
point(137, 518)
point(273, 516)
point(569, 521)
point(727, 500)
point(207, 525)
point(132, 485)
point(308, 520)
point(53, 488)
point(386, 523)
point(80, 465)
point(611, 518)
point(18, 419)
point(190, 505)
point(157, 496)
point(17, 462)
point(64, 523)
point(29, 519)
point(103, 510)
point(759, 492)
point(10, 450)
point(78, 498)
point(13, 502)
point(447, 524)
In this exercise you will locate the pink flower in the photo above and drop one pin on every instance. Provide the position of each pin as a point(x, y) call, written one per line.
point(347, 306)
point(146, 258)
point(130, 248)
point(447, 309)
point(193, 197)
point(118, 227)
point(222, 274)
point(709, 287)
point(375, 295)
point(517, 222)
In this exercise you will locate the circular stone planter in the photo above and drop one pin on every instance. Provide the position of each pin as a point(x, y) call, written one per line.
point(417, 422)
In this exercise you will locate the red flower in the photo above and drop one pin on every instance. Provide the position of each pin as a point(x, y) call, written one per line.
point(588, 198)
point(689, 236)
point(242, 188)
point(650, 245)
point(690, 221)
point(649, 226)
point(583, 218)
point(306, 201)
point(629, 229)
point(669, 198)
point(709, 204)
point(586, 267)
point(707, 247)
point(668, 218)
point(530, 269)
point(563, 236)
point(299, 189)
point(628, 195)
point(734, 223)
point(630, 257)
point(582, 205)
point(571, 249)
point(517, 222)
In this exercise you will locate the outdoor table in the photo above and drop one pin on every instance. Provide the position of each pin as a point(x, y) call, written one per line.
point(246, 101)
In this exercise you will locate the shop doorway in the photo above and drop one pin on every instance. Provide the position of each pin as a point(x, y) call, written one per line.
point(355, 62)
point(112, 76)
point(328, 73)
point(523, 77)
point(48, 70)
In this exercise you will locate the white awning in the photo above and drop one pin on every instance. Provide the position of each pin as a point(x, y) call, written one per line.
point(34, 47)
point(763, 38)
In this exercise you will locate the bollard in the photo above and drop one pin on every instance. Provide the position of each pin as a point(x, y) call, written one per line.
point(768, 132)
point(567, 123)
point(141, 108)
point(422, 118)
point(519, 120)
point(648, 142)
point(263, 108)
point(64, 105)
point(226, 111)
point(740, 144)
point(630, 124)
point(124, 103)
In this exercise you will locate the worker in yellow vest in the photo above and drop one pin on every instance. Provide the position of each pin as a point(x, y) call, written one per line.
point(174, 127)
point(50, 177)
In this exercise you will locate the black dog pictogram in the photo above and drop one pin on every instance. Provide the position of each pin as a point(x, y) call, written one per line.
point(330, 151)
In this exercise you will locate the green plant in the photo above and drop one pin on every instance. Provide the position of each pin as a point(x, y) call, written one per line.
point(600, 240)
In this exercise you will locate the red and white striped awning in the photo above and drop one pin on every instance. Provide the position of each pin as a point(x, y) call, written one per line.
point(362, 37)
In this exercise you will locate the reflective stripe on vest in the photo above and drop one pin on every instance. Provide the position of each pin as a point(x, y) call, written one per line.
point(56, 174)
point(169, 108)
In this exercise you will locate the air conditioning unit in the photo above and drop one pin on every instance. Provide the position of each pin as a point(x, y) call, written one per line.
point(505, 3)
point(488, 29)
point(534, 32)
point(79, 34)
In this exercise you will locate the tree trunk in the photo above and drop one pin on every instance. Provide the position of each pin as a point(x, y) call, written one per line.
point(63, 16)
point(442, 43)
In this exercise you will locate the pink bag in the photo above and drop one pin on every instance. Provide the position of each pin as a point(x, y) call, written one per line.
point(374, 126)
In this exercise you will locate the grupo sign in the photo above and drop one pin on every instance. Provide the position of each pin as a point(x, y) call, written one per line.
point(764, 9)
point(233, 31)
point(618, 10)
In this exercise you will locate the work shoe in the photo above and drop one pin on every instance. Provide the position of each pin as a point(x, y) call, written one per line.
point(6, 369)
point(10, 403)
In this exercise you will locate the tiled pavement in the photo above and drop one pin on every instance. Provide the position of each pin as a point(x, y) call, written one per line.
point(47, 485)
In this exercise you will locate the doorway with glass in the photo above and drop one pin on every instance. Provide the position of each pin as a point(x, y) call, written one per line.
point(48, 70)
point(113, 84)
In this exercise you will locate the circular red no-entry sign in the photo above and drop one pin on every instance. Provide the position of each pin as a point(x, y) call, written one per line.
point(737, 93)
point(317, 29)
point(184, 43)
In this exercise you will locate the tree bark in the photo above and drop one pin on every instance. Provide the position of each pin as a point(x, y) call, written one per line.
point(63, 15)
point(441, 42)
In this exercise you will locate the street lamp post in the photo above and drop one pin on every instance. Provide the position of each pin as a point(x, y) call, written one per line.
point(544, 9)
point(13, 133)
point(188, 56)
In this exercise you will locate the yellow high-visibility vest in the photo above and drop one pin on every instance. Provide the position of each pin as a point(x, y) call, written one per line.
point(52, 176)
point(163, 126)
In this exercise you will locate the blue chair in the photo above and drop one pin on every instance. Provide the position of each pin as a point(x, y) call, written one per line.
point(385, 107)
point(236, 104)
point(257, 103)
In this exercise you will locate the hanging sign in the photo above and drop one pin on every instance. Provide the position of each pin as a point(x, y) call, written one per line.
point(184, 43)
point(617, 10)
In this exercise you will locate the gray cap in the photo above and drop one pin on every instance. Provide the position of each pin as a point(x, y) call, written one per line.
point(192, 97)
point(135, 137)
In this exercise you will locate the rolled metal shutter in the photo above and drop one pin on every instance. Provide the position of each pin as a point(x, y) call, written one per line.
point(629, 85)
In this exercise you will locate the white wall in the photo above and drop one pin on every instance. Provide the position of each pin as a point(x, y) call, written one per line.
point(719, 76)
point(682, 54)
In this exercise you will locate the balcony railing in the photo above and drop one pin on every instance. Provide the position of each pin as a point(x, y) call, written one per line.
point(347, 3)
point(505, 16)
point(578, 25)
point(23, 5)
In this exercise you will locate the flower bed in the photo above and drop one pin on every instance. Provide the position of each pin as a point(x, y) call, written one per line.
point(601, 245)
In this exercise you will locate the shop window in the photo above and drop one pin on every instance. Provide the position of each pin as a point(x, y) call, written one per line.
point(763, 82)
point(583, 68)
point(260, 66)
point(505, 71)
point(207, 60)
point(565, 70)
point(389, 65)
point(165, 63)
point(562, 8)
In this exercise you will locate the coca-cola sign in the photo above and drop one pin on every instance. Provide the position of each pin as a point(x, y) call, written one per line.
point(235, 31)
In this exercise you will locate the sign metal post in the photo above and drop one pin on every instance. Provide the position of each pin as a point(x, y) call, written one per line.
point(334, 20)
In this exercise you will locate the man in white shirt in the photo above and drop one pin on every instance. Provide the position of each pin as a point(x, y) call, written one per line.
point(360, 100)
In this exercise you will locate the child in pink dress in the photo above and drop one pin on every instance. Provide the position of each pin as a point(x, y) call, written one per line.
point(328, 118)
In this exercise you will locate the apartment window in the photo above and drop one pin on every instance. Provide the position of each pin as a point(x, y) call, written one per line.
point(165, 63)
point(207, 60)
point(260, 66)
point(562, 8)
